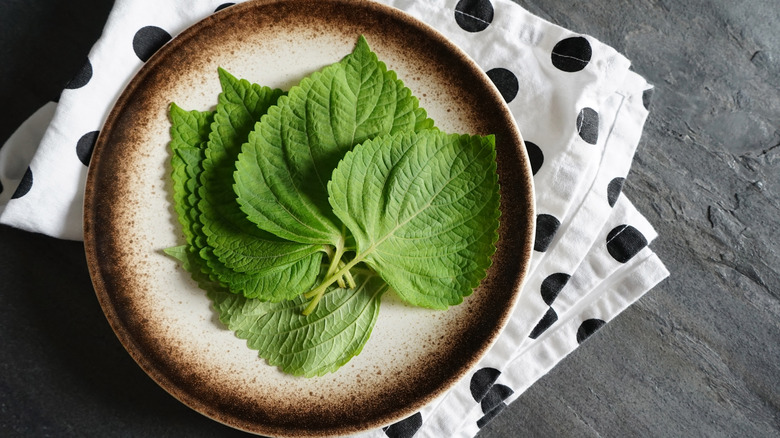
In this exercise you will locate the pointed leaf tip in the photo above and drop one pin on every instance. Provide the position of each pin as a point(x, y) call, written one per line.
point(362, 45)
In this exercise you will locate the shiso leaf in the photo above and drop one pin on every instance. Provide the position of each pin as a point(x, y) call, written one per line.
point(238, 254)
point(189, 134)
point(283, 170)
point(423, 209)
point(191, 144)
point(237, 243)
point(306, 345)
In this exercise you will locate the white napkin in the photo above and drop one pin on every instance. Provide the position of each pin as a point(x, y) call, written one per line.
point(579, 108)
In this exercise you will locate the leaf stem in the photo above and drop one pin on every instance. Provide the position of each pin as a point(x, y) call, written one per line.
point(329, 251)
point(348, 277)
point(316, 294)
point(335, 261)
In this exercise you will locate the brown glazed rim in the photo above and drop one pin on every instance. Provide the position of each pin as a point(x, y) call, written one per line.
point(98, 231)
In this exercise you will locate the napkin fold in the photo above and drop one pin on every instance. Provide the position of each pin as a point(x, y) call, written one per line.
point(580, 110)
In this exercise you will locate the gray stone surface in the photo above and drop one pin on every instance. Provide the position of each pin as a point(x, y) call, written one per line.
point(698, 356)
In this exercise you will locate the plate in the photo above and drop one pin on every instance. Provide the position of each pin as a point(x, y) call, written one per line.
point(166, 322)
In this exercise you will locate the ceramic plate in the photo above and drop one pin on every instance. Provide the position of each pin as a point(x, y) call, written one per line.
point(166, 322)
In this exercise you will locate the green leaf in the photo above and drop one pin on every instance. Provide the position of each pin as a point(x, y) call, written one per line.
point(238, 244)
point(198, 151)
point(283, 171)
point(189, 134)
point(246, 259)
point(423, 209)
point(306, 345)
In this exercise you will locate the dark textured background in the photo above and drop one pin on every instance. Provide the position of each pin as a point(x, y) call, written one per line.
point(698, 356)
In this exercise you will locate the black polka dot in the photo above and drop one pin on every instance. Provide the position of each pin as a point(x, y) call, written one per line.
point(82, 77)
point(405, 428)
point(505, 81)
point(588, 125)
point(223, 6)
point(85, 145)
point(535, 156)
point(552, 286)
point(613, 190)
point(547, 320)
point(571, 54)
point(24, 185)
point(474, 15)
point(148, 40)
point(546, 227)
point(647, 98)
point(587, 328)
point(1, 187)
point(624, 242)
point(481, 382)
point(490, 415)
point(497, 394)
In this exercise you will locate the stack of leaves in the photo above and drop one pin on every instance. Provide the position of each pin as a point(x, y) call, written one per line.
point(301, 209)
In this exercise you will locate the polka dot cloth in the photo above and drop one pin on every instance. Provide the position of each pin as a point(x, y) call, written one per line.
point(147, 40)
point(591, 258)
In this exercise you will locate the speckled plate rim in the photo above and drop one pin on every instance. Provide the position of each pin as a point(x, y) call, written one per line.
point(517, 206)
